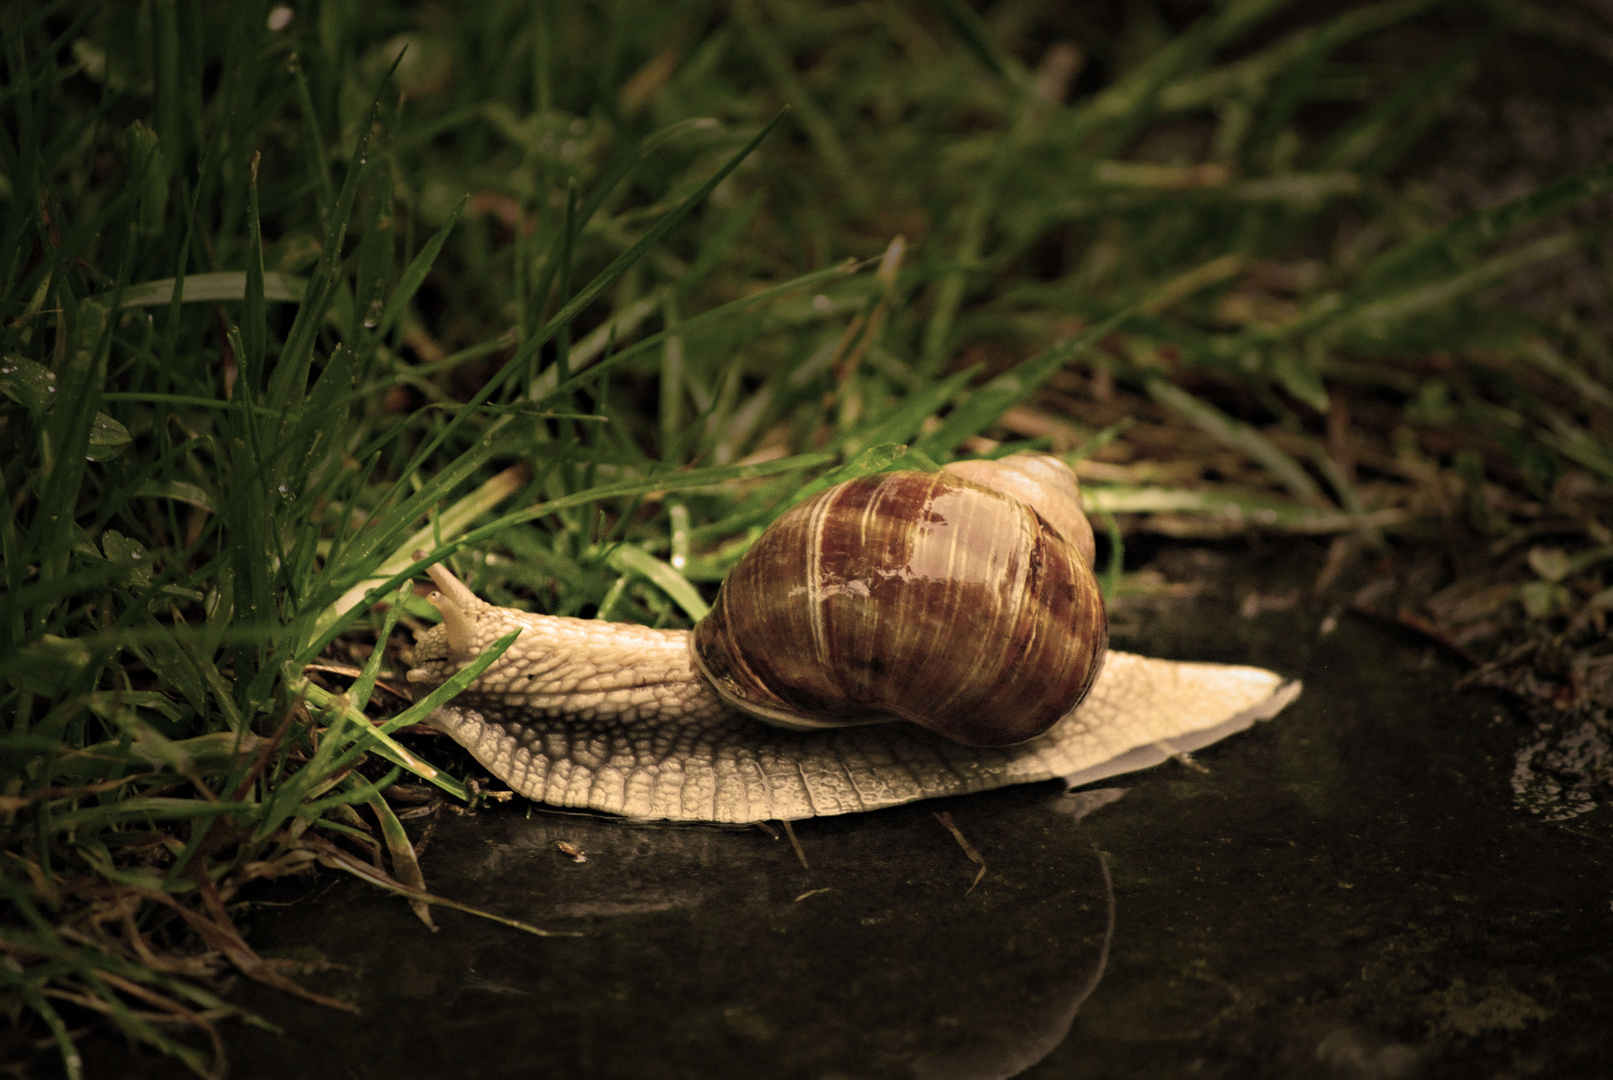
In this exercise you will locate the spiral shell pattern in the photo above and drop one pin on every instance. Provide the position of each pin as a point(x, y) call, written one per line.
point(916, 596)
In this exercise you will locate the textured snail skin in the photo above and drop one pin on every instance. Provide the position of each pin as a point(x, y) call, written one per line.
point(615, 718)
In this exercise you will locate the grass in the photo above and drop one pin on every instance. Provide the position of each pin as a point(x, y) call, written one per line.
point(580, 297)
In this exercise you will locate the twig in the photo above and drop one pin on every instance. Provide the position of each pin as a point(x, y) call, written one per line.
point(353, 673)
point(223, 936)
point(337, 859)
point(264, 755)
point(1412, 621)
point(1109, 925)
point(178, 1011)
point(945, 819)
point(789, 831)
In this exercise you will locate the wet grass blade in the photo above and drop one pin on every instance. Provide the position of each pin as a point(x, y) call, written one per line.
point(620, 265)
point(414, 275)
point(224, 285)
point(1239, 436)
point(254, 319)
point(1220, 513)
point(545, 388)
point(1449, 250)
point(819, 128)
point(590, 292)
point(405, 865)
point(678, 481)
point(904, 421)
point(982, 408)
point(627, 558)
point(444, 526)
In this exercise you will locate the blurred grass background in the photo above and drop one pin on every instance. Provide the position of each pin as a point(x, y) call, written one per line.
point(580, 296)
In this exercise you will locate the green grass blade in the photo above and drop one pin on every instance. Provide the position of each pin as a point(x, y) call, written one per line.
point(405, 866)
point(977, 36)
point(678, 481)
point(619, 266)
point(1449, 250)
point(254, 321)
point(982, 408)
point(1239, 436)
point(226, 285)
point(628, 558)
point(590, 292)
point(545, 387)
point(415, 275)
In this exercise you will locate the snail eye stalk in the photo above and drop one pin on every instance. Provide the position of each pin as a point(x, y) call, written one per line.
point(457, 603)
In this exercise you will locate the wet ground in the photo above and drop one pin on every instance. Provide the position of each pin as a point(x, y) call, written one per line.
point(1345, 891)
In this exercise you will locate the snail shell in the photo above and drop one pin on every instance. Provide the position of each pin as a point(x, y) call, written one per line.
point(947, 599)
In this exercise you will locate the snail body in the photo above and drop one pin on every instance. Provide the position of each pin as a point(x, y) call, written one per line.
point(962, 602)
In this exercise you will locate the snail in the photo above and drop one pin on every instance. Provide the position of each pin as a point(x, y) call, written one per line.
point(895, 637)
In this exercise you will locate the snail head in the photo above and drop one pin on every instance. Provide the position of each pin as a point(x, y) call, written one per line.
point(454, 642)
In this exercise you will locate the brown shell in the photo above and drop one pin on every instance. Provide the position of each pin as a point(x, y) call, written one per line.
point(918, 596)
point(1041, 481)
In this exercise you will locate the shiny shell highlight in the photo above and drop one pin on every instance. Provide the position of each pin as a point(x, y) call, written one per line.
point(915, 596)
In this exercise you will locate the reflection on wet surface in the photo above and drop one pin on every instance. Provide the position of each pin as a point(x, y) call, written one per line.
point(1346, 891)
point(707, 946)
